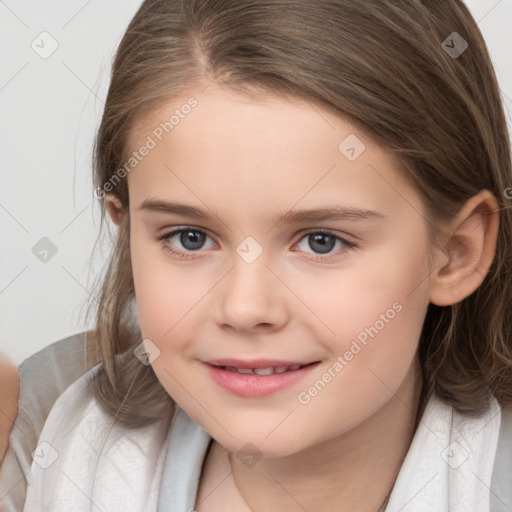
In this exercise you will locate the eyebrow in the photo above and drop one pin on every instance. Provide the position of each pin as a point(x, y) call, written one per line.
point(331, 213)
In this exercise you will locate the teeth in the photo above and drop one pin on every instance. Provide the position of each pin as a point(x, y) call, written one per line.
point(263, 371)
point(243, 370)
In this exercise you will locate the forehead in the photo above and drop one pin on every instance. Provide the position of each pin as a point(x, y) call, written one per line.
point(219, 112)
point(231, 146)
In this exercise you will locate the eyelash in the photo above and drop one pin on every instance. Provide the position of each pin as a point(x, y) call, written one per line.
point(348, 245)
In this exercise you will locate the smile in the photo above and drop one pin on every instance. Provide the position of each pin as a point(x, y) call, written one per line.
point(260, 381)
point(271, 370)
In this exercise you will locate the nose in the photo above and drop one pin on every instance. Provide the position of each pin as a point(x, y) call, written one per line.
point(252, 298)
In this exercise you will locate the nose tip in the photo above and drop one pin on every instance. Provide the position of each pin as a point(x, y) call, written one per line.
point(248, 326)
point(250, 297)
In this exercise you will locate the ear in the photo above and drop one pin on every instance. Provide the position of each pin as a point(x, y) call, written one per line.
point(467, 252)
point(114, 208)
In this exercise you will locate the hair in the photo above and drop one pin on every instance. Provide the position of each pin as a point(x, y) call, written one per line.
point(380, 64)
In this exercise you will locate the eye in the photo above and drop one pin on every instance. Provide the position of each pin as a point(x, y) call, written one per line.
point(191, 239)
point(323, 242)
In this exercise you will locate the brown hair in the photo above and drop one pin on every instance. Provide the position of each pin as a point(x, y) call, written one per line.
point(380, 64)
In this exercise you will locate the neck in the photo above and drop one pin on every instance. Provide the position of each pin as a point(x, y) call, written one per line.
point(355, 471)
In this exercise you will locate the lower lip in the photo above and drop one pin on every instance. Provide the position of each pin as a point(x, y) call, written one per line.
point(250, 385)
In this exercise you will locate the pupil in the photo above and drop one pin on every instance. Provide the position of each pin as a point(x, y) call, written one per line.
point(192, 239)
point(322, 245)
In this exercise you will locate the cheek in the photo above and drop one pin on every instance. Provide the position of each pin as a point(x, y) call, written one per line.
point(376, 340)
point(163, 293)
point(375, 312)
point(165, 299)
point(385, 289)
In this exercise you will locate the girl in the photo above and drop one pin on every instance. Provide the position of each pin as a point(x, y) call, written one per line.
point(308, 302)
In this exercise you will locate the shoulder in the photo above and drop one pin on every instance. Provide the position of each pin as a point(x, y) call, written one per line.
point(504, 445)
point(82, 447)
point(43, 378)
point(506, 420)
point(503, 460)
point(46, 374)
point(501, 488)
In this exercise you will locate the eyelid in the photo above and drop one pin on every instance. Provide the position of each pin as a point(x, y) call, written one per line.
point(166, 235)
point(183, 227)
point(348, 244)
point(177, 229)
point(326, 231)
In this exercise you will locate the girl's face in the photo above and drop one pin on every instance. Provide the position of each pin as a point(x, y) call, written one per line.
point(343, 284)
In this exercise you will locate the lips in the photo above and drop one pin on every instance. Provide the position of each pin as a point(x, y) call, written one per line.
point(262, 371)
point(257, 378)
point(257, 363)
point(270, 370)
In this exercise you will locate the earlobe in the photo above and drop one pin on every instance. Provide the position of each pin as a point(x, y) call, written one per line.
point(468, 251)
point(114, 208)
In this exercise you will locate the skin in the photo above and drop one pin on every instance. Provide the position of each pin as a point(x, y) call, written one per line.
point(9, 393)
point(245, 161)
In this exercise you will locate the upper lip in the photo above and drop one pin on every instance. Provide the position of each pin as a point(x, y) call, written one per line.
point(257, 363)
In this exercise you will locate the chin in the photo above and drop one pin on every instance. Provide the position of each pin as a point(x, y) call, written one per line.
point(258, 446)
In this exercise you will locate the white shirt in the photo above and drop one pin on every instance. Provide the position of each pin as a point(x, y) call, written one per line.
point(448, 453)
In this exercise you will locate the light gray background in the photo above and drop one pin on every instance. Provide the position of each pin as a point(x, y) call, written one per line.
point(50, 108)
